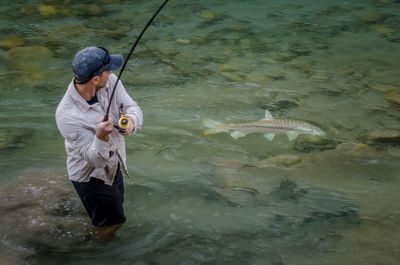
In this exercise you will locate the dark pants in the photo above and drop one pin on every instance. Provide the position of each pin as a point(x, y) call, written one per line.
point(103, 202)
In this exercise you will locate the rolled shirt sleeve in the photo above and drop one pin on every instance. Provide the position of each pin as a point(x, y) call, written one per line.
point(86, 145)
point(99, 153)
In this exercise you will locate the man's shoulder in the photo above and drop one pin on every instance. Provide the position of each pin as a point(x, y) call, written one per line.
point(66, 108)
point(68, 118)
point(68, 101)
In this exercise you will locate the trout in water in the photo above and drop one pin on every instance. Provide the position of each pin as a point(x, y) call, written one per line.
point(269, 126)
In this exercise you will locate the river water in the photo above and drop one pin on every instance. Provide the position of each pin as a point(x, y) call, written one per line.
point(196, 199)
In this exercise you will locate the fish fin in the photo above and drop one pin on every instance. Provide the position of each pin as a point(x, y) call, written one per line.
point(292, 135)
point(268, 115)
point(269, 136)
point(213, 127)
point(237, 134)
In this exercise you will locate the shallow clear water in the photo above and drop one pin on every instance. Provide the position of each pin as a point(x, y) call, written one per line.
point(197, 199)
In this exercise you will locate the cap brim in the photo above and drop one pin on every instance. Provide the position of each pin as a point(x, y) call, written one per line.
point(116, 61)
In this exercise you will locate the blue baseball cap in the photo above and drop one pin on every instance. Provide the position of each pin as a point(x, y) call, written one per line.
point(92, 61)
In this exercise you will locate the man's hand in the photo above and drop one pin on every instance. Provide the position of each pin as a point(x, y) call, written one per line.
point(129, 129)
point(104, 128)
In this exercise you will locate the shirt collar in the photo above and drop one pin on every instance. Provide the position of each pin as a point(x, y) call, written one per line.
point(81, 102)
point(76, 97)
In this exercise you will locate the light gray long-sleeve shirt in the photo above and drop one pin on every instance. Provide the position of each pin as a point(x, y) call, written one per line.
point(88, 156)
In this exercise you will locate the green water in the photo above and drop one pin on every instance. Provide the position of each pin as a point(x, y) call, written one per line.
point(197, 199)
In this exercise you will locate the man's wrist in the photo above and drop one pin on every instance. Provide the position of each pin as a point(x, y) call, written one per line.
point(103, 138)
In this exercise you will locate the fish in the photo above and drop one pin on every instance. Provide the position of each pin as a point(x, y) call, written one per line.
point(269, 126)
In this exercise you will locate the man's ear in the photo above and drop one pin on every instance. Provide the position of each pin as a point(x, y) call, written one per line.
point(95, 79)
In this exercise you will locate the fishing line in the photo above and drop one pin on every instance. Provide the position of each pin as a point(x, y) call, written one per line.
point(129, 55)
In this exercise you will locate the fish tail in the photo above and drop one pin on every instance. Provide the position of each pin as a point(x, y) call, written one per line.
point(213, 127)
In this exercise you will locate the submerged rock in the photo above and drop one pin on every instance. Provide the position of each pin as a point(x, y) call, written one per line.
point(275, 73)
point(27, 10)
point(309, 143)
point(233, 77)
point(259, 47)
point(12, 42)
point(238, 28)
point(115, 35)
point(347, 124)
point(391, 92)
point(384, 137)
point(281, 160)
point(47, 10)
point(31, 63)
point(287, 190)
point(289, 220)
point(28, 54)
point(233, 196)
point(228, 68)
point(384, 133)
point(40, 209)
point(384, 29)
point(298, 49)
point(209, 15)
point(353, 147)
point(200, 40)
point(258, 78)
point(388, 31)
point(94, 10)
point(384, 88)
point(167, 52)
point(276, 161)
point(368, 16)
point(285, 56)
point(381, 3)
point(322, 207)
point(13, 138)
point(393, 97)
point(53, 11)
point(183, 41)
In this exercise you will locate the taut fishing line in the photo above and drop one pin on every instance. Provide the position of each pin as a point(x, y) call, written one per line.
point(129, 55)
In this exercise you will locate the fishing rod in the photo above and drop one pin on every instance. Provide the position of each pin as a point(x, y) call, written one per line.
point(123, 120)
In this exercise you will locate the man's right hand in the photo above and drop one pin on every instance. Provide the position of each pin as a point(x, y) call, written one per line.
point(104, 128)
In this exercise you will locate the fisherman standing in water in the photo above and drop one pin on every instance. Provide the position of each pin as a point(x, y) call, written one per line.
point(95, 148)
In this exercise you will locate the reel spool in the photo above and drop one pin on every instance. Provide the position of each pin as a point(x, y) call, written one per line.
point(123, 124)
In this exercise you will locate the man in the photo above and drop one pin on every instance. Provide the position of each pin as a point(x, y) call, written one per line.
point(95, 148)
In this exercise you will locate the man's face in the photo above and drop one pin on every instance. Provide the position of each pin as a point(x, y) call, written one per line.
point(103, 78)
